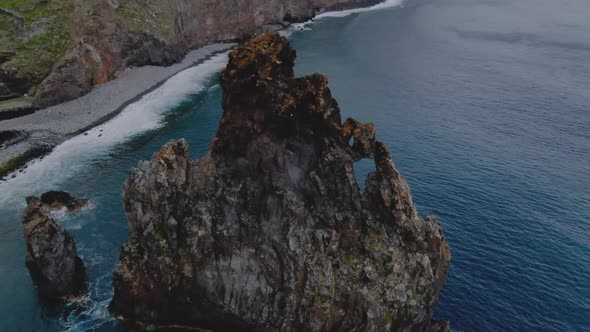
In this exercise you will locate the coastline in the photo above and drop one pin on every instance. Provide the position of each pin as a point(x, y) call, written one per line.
point(41, 131)
point(47, 128)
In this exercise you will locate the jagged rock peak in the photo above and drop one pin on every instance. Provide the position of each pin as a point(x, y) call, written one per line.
point(52, 259)
point(270, 230)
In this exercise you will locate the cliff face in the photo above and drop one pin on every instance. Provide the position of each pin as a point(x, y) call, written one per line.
point(212, 20)
point(57, 50)
point(270, 230)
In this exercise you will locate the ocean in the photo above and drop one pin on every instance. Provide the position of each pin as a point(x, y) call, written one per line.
point(485, 105)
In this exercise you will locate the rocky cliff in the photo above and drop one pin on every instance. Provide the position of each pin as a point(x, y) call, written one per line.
point(57, 50)
point(270, 230)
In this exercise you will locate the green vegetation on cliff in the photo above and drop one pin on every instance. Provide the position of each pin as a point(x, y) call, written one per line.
point(156, 17)
point(22, 159)
point(33, 35)
point(8, 39)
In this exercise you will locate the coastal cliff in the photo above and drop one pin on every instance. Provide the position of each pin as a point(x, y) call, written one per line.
point(57, 50)
point(270, 230)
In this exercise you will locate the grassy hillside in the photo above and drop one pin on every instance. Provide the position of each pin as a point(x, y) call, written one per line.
point(38, 34)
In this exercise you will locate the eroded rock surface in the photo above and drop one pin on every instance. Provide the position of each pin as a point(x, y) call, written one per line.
point(51, 259)
point(270, 230)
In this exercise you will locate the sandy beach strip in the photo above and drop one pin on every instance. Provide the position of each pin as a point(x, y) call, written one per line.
point(52, 125)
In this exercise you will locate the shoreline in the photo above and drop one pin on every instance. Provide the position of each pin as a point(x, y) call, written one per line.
point(49, 127)
point(44, 129)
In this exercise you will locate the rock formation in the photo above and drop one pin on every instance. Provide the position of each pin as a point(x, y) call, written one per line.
point(57, 200)
point(270, 230)
point(51, 252)
point(58, 50)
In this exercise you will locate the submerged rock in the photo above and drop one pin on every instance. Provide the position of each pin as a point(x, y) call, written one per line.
point(51, 253)
point(270, 230)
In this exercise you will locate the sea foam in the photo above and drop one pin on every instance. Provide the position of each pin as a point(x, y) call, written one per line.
point(305, 26)
point(344, 13)
point(71, 156)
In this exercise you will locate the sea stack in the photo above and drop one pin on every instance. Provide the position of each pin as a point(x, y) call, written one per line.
point(270, 230)
point(51, 259)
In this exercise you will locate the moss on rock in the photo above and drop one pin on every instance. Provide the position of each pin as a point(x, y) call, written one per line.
point(21, 159)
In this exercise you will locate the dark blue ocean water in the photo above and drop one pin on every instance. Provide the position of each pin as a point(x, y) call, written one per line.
point(485, 105)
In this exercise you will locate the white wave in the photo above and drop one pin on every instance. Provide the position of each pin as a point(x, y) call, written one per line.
point(344, 13)
point(96, 315)
point(90, 311)
point(72, 220)
point(88, 314)
point(71, 156)
point(306, 26)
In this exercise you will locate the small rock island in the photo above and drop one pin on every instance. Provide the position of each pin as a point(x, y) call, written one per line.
point(270, 230)
point(52, 258)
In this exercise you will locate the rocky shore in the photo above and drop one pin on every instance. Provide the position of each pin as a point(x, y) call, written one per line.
point(118, 35)
point(270, 230)
point(56, 51)
point(39, 132)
